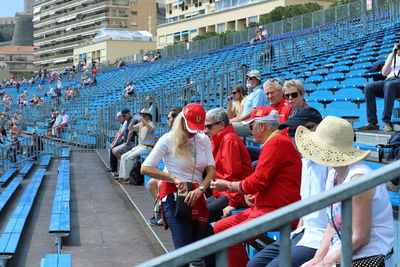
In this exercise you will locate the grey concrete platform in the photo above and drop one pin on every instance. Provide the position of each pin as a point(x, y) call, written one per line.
point(105, 229)
point(143, 202)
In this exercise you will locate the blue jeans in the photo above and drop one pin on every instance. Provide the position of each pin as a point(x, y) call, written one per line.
point(269, 256)
point(389, 90)
point(183, 231)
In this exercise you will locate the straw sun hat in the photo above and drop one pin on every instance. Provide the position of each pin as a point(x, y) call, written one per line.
point(331, 144)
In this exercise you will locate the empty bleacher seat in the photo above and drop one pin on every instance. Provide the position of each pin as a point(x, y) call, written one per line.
point(56, 260)
point(11, 235)
point(5, 177)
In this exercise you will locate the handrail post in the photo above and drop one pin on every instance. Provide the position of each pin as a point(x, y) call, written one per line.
point(285, 254)
point(346, 236)
point(221, 258)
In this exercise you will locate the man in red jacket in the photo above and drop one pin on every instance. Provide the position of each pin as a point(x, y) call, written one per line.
point(232, 162)
point(275, 181)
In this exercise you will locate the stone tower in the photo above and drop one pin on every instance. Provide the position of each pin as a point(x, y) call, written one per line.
point(23, 32)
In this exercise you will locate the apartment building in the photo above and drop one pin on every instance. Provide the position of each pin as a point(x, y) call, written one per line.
point(16, 59)
point(62, 25)
point(185, 19)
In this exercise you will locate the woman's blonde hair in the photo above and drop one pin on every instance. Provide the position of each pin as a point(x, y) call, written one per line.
point(180, 141)
point(294, 83)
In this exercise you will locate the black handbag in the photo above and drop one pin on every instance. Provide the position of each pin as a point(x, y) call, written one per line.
point(182, 210)
point(373, 261)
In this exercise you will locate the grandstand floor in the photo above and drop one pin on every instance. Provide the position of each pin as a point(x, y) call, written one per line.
point(105, 229)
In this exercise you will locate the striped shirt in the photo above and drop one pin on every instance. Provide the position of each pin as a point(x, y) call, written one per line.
point(146, 137)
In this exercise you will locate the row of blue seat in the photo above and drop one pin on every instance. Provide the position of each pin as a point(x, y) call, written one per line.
point(13, 230)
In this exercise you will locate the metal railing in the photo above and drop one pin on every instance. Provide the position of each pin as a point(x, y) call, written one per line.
point(282, 218)
point(344, 13)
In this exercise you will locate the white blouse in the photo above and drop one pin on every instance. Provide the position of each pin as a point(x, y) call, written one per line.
point(200, 145)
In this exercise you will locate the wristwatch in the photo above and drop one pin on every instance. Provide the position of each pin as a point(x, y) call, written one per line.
point(201, 187)
point(229, 187)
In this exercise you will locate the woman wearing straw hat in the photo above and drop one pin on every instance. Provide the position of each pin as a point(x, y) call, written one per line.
point(186, 152)
point(373, 230)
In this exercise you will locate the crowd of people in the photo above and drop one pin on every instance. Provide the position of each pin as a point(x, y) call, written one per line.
point(208, 166)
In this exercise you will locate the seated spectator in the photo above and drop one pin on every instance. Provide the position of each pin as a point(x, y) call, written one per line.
point(257, 37)
point(307, 237)
point(57, 123)
point(64, 122)
point(232, 164)
point(274, 94)
point(67, 93)
point(145, 59)
point(128, 142)
point(239, 96)
point(293, 93)
point(145, 132)
point(130, 90)
point(263, 32)
point(275, 182)
point(373, 230)
point(255, 99)
point(118, 139)
point(388, 89)
point(154, 185)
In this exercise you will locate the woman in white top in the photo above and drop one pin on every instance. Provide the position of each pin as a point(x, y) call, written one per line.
point(373, 229)
point(186, 152)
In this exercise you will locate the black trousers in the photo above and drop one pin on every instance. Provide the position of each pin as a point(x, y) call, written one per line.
point(113, 162)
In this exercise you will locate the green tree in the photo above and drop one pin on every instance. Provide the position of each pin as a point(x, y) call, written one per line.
point(205, 36)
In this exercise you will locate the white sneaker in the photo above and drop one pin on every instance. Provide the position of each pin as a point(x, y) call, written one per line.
point(386, 127)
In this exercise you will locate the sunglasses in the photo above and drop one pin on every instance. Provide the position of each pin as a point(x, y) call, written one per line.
point(209, 126)
point(234, 93)
point(292, 131)
point(249, 78)
point(251, 126)
point(293, 95)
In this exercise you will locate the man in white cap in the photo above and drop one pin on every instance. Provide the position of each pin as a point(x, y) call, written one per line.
point(275, 182)
point(255, 99)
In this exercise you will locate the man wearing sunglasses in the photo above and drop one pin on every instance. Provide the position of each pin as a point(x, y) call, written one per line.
point(255, 98)
point(306, 238)
point(274, 183)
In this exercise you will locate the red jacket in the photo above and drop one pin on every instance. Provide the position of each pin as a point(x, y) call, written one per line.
point(232, 162)
point(283, 111)
point(277, 177)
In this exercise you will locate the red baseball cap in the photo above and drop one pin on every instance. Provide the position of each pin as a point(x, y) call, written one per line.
point(195, 117)
point(263, 113)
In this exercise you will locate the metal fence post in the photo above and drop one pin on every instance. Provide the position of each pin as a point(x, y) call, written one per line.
point(346, 235)
point(285, 254)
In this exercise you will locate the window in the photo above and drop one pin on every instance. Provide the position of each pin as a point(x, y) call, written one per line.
point(133, 24)
point(221, 27)
point(134, 2)
point(134, 12)
point(253, 19)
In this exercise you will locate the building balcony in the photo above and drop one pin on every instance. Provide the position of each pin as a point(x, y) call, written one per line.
point(84, 21)
point(69, 35)
point(59, 47)
point(76, 3)
point(49, 59)
point(79, 11)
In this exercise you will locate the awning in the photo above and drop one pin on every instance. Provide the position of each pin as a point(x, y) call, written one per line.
point(185, 33)
point(66, 18)
point(60, 60)
point(194, 30)
point(177, 34)
point(36, 18)
point(36, 9)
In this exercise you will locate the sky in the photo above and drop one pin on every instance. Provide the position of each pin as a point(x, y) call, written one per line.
point(9, 7)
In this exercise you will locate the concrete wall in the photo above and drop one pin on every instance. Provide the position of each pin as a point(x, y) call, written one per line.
point(111, 50)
